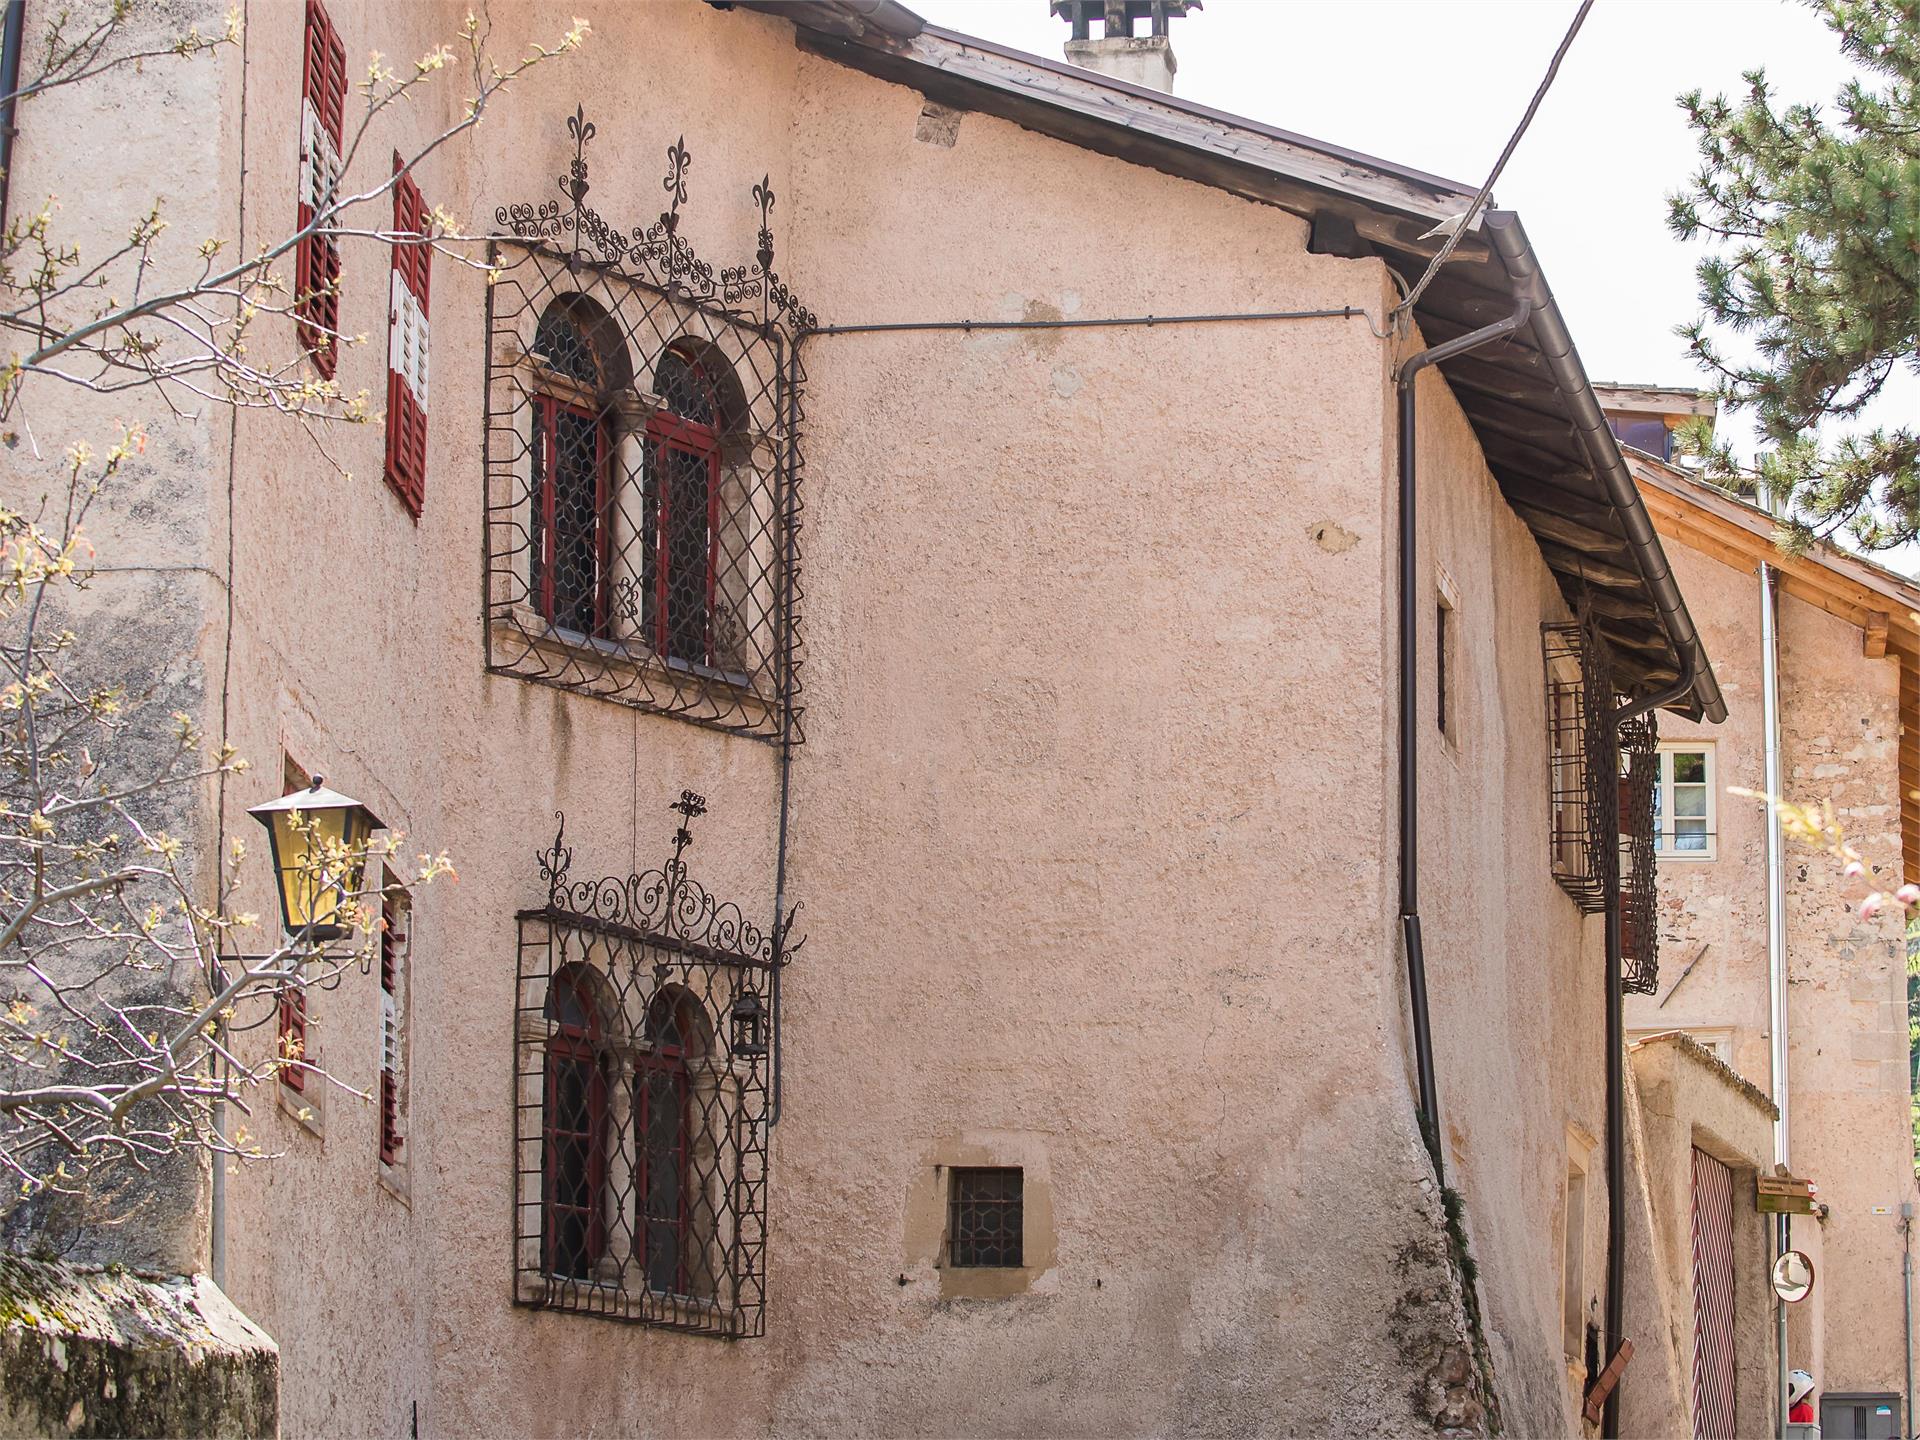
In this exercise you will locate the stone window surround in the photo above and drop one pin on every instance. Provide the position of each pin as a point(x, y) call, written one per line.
point(926, 1217)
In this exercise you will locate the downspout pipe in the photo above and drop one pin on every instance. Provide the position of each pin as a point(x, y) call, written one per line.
point(1408, 373)
point(1615, 1317)
point(1906, 1300)
point(1776, 940)
point(12, 42)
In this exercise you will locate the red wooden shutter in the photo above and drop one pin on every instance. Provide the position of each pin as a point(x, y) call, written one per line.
point(293, 1036)
point(407, 345)
point(323, 117)
point(392, 946)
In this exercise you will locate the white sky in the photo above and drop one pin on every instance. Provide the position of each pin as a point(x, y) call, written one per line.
point(1440, 86)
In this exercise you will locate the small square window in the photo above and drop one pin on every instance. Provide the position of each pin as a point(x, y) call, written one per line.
point(985, 1223)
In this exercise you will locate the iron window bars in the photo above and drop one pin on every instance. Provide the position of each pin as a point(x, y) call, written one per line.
point(643, 462)
point(986, 1223)
point(1600, 795)
point(1639, 920)
point(1581, 772)
point(645, 1028)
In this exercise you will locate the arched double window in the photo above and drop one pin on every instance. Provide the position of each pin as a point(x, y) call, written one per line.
point(574, 1125)
point(687, 509)
point(570, 564)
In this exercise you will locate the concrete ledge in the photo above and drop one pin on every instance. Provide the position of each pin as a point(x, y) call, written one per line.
point(89, 1351)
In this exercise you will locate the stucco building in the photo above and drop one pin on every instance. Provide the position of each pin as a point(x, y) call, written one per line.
point(935, 522)
point(1845, 636)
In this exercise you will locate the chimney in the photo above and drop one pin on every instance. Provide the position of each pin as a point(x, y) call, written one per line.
point(1138, 59)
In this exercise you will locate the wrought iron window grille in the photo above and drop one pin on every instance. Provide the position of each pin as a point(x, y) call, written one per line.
point(643, 467)
point(647, 1026)
point(986, 1220)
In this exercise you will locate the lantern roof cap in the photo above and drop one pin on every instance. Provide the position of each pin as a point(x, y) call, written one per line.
point(314, 797)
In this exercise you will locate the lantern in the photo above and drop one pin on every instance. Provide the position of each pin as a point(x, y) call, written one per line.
point(749, 1025)
point(303, 828)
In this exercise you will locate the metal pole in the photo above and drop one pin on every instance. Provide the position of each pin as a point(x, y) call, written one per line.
point(1616, 1302)
point(1776, 926)
point(12, 42)
point(1906, 1300)
point(1782, 1242)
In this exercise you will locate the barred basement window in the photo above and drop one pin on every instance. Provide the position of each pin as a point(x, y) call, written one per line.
point(643, 465)
point(642, 1103)
point(985, 1219)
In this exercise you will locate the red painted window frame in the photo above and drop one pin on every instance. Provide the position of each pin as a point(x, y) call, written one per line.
point(667, 431)
point(573, 1045)
point(317, 257)
point(546, 408)
point(406, 461)
point(667, 1059)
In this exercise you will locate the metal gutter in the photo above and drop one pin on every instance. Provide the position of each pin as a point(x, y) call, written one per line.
point(1776, 940)
point(1556, 346)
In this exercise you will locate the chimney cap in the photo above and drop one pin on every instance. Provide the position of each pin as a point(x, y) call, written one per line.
point(1117, 17)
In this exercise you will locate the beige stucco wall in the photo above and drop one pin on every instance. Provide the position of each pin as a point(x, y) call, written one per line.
point(1089, 826)
point(1517, 974)
point(1847, 1084)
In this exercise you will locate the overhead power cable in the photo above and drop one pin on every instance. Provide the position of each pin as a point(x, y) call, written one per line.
point(1460, 224)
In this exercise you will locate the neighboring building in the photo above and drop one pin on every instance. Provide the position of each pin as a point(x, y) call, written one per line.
point(1849, 644)
point(1096, 1082)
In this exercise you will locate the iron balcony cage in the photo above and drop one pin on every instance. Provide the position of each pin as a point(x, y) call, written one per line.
point(1582, 773)
point(646, 1025)
point(1639, 887)
point(1601, 788)
point(643, 498)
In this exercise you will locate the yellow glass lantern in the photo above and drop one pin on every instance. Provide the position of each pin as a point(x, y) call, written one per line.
point(303, 828)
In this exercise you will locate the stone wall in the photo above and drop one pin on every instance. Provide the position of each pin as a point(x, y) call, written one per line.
point(92, 1351)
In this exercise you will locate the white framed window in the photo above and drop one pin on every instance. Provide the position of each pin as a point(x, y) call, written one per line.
point(1686, 811)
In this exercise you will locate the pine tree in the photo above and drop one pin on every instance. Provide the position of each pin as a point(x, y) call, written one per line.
point(1813, 219)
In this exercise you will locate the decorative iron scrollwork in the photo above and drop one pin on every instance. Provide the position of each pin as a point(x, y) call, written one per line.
point(657, 253)
point(667, 902)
